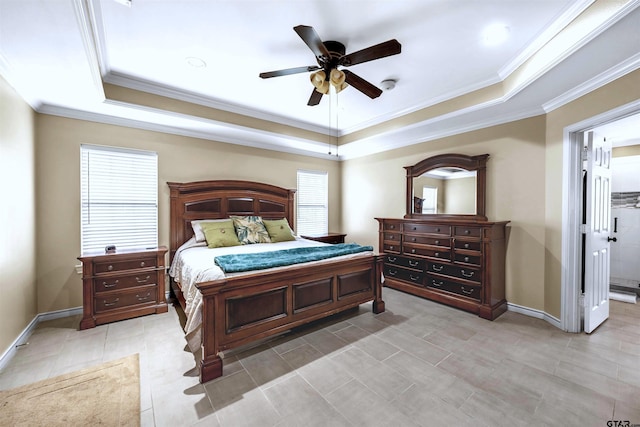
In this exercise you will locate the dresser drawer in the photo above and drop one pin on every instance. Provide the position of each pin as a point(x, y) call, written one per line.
point(466, 273)
point(392, 226)
point(468, 259)
point(428, 240)
point(468, 245)
point(113, 301)
point(392, 247)
point(101, 267)
point(411, 276)
point(444, 254)
point(416, 227)
point(123, 282)
point(417, 264)
point(392, 237)
point(459, 231)
point(469, 291)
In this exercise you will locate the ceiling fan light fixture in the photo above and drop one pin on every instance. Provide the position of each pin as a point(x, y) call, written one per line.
point(337, 77)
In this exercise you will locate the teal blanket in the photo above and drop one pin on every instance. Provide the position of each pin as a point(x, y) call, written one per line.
point(246, 262)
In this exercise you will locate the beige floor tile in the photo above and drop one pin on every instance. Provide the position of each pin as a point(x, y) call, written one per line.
point(418, 363)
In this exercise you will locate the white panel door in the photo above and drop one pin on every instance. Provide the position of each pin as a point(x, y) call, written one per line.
point(597, 230)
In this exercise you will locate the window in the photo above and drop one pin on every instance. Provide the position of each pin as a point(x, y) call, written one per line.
point(430, 202)
point(118, 197)
point(313, 210)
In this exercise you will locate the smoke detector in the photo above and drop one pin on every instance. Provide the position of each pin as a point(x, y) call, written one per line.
point(388, 84)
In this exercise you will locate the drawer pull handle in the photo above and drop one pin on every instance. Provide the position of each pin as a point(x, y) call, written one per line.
point(465, 274)
point(415, 228)
point(391, 259)
point(110, 267)
point(145, 280)
point(110, 285)
point(467, 231)
point(393, 272)
point(392, 226)
point(413, 240)
point(414, 278)
point(438, 229)
point(110, 304)
point(466, 246)
point(437, 242)
point(142, 264)
point(391, 247)
point(144, 298)
point(413, 263)
point(437, 254)
point(413, 251)
point(436, 284)
point(391, 237)
point(437, 267)
point(464, 291)
point(466, 259)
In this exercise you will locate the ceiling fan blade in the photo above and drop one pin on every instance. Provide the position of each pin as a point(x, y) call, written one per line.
point(362, 85)
point(388, 48)
point(311, 38)
point(315, 98)
point(288, 71)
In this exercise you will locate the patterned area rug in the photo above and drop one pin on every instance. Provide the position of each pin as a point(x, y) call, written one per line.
point(108, 394)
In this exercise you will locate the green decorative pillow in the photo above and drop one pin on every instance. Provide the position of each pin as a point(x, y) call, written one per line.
point(220, 234)
point(279, 230)
point(250, 229)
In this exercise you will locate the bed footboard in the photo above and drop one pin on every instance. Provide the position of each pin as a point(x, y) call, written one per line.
point(239, 310)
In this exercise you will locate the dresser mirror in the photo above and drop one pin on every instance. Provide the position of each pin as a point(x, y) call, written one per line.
point(447, 186)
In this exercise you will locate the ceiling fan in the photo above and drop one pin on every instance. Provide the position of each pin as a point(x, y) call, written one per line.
point(330, 55)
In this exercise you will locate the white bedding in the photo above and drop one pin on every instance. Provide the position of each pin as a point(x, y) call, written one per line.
point(194, 263)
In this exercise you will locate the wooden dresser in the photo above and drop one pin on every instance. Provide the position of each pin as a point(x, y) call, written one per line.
point(122, 285)
point(453, 261)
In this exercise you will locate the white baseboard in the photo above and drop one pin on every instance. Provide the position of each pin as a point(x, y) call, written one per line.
point(532, 312)
point(26, 333)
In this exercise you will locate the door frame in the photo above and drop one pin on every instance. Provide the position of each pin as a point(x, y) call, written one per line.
point(571, 296)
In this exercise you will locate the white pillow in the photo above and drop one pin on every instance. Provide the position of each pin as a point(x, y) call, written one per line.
point(197, 228)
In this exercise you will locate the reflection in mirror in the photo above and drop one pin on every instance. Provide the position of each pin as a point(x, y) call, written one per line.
point(450, 191)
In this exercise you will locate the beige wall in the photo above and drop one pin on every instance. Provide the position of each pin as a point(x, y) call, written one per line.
point(180, 159)
point(515, 192)
point(613, 95)
point(17, 215)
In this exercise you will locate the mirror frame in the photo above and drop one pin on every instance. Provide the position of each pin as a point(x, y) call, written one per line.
point(462, 161)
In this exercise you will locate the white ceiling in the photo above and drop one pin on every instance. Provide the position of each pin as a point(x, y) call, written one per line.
point(58, 53)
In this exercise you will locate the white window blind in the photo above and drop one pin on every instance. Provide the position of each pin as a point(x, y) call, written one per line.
point(312, 208)
point(119, 198)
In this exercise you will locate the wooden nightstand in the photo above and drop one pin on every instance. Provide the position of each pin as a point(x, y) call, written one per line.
point(332, 238)
point(122, 285)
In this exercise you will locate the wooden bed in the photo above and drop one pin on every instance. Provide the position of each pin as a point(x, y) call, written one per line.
point(245, 308)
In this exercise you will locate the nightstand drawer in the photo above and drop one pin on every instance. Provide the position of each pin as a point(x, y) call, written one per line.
point(131, 264)
point(114, 301)
point(115, 283)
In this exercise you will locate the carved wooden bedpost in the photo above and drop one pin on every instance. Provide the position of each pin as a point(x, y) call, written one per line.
point(211, 364)
point(378, 303)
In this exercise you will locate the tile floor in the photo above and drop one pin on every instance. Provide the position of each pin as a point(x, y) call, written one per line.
point(417, 364)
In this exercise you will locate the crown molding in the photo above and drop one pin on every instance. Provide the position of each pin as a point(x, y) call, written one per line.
point(195, 127)
point(594, 83)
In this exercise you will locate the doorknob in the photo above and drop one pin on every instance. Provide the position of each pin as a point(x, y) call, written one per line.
point(612, 239)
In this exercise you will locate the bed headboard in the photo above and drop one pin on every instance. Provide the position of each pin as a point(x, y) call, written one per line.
point(219, 199)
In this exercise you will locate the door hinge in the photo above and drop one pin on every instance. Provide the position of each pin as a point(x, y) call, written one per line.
point(581, 300)
point(583, 228)
point(585, 154)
